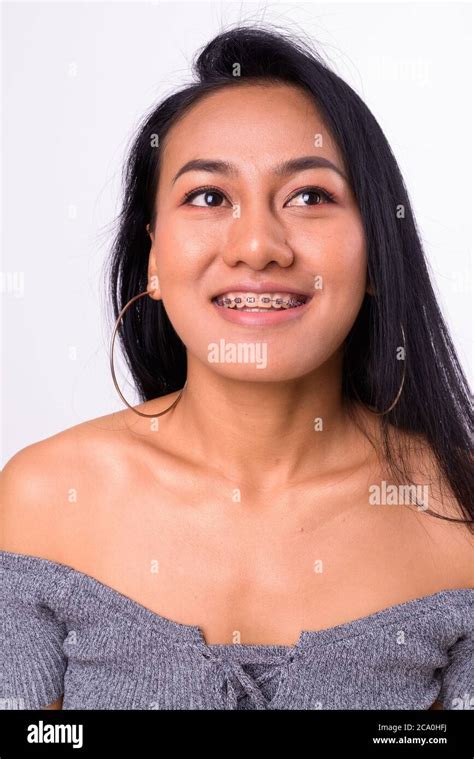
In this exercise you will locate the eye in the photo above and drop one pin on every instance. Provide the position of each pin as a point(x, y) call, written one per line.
point(209, 193)
point(212, 197)
point(314, 192)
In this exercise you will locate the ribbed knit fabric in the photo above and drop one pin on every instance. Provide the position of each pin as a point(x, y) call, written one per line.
point(63, 631)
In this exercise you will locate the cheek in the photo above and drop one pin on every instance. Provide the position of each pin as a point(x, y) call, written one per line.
point(179, 261)
point(348, 272)
point(341, 263)
point(183, 250)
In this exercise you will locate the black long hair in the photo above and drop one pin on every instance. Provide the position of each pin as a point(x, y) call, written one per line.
point(435, 405)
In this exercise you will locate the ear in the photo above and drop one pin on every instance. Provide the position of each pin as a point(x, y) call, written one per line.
point(153, 285)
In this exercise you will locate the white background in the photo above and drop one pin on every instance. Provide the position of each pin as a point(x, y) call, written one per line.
point(77, 78)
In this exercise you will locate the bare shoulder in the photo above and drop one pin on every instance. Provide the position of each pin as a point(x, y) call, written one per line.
point(40, 483)
point(54, 492)
point(441, 523)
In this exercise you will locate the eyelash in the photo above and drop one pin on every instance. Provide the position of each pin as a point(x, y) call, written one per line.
point(330, 198)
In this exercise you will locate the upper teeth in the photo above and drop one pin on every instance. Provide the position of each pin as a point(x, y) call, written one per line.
point(260, 300)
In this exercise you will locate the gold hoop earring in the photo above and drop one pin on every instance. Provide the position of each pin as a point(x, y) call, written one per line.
point(117, 323)
point(397, 397)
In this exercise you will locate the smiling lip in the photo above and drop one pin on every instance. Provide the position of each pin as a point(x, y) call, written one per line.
point(260, 318)
point(261, 287)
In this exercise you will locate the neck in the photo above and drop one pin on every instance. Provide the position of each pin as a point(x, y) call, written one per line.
point(266, 434)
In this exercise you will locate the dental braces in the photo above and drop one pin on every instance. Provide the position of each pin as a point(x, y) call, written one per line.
point(251, 300)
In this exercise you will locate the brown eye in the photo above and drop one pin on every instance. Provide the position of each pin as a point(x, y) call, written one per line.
point(212, 198)
point(315, 195)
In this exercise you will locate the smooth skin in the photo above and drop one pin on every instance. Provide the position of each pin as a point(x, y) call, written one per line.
point(235, 493)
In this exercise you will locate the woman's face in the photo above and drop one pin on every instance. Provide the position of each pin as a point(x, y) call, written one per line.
point(258, 226)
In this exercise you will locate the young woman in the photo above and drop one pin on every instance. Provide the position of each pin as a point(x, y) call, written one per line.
point(284, 521)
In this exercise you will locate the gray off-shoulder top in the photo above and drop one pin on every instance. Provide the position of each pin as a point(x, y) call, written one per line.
point(64, 632)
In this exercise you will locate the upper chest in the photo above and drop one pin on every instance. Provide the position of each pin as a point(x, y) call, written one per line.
point(257, 566)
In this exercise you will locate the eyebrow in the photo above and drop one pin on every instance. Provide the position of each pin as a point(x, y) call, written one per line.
point(282, 169)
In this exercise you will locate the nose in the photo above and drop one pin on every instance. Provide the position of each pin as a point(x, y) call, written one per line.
point(257, 238)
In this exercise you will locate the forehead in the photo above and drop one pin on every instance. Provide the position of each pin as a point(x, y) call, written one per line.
point(249, 125)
